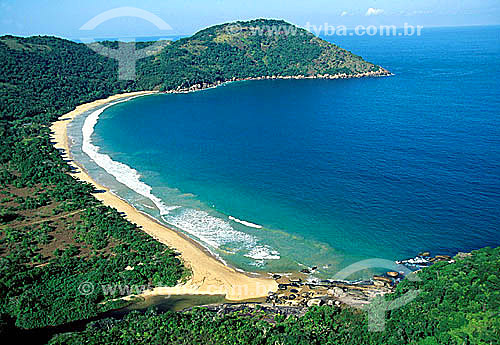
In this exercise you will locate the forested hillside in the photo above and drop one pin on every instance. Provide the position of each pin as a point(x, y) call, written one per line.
point(54, 234)
point(247, 49)
point(48, 75)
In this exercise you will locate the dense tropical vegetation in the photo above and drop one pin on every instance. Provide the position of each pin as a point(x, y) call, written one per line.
point(246, 49)
point(46, 76)
point(458, 303)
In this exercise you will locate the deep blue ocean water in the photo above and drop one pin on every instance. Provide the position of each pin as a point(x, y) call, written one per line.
point(326, 172)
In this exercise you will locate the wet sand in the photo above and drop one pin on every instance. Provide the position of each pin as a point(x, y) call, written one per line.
point(209, 276)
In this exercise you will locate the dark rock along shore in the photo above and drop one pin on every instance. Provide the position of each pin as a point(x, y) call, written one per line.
point(295, 295)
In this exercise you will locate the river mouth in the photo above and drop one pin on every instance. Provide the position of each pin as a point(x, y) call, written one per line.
point(161, 304)
point(167, 303)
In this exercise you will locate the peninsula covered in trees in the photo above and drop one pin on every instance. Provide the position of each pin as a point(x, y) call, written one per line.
point(47, 76)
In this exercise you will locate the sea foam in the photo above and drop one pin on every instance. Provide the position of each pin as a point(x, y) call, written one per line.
point(122, 172)
point(244, 222)
point(209, 229)
point(263, 252)
point(217, 232)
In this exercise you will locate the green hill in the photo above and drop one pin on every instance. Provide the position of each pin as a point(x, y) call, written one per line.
point(248, 49)
point(53, 233)
point(48, 75)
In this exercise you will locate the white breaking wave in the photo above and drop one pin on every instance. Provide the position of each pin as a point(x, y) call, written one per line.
point(122, 172)
point(263, 253)
point(216, 232)
point(211, 230)
point(250, 225)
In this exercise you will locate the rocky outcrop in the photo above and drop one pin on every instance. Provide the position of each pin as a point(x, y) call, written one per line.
point(202, 86)
point(298, 291)
point(294, 291)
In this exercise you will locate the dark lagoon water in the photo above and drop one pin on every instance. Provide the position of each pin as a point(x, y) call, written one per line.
point(273, 175)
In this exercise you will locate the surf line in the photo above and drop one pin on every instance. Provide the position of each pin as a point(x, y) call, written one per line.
point(250, 225)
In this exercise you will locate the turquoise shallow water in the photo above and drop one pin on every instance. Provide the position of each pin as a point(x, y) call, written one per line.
point(273, 175)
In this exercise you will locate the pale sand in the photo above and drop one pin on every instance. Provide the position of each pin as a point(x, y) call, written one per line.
point(209, 275)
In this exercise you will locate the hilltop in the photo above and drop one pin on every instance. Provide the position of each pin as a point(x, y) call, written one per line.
point(249, 49)
point(43, 74)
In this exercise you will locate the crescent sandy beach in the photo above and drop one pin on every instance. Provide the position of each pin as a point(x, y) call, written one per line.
point(209, 276)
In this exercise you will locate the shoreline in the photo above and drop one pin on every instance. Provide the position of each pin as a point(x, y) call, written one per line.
point(382, 72)
point(209, 276)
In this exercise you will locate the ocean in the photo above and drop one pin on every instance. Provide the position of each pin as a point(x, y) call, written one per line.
point(278, 175)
